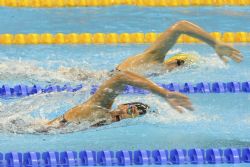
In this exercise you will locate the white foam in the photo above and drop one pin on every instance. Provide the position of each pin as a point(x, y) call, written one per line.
point(29, 114)
point(30, 71)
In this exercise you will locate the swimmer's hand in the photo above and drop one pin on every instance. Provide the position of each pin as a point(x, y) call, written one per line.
point(179, 101)
point(224, 50)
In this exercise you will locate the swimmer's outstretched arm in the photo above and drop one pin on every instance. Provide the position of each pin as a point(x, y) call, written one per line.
point(166, 41)
point(106, 94)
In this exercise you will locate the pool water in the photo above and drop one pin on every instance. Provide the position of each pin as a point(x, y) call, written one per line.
point(219, 120)
point(120, 19)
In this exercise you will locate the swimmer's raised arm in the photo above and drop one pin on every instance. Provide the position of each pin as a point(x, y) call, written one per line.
point(156, 53)
point(167, 39)
point(103, 99)
point(106, 94)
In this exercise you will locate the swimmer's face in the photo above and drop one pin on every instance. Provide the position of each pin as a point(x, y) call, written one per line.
point(125, 111)
point(174, 63)
point(128, 111)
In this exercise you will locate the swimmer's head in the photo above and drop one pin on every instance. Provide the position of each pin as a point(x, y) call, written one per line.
point(130, 110)
point(180, 60)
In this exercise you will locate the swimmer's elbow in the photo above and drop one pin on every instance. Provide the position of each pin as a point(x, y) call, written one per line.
point(121, 75)
point(181, 26)
point(183, 23)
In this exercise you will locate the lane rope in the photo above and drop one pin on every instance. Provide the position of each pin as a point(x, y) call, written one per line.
point(21, 90)
point(126, 158)
point(103, 3)
point(112, 38)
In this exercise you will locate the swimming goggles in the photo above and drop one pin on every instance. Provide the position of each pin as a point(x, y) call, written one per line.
point(130, 112)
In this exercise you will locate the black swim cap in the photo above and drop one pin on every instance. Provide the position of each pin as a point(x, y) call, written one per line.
point(143, 108)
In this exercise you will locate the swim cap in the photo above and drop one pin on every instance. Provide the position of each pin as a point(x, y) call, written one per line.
point(141, 107)
point(187, 58)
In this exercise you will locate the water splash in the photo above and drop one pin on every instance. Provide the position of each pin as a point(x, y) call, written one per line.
point(28, 115)
point(31, 72)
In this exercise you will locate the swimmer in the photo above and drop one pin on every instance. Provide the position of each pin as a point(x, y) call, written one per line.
point(98, 107)
point(155, 54)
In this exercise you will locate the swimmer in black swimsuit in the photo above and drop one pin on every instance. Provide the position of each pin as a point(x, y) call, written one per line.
point(97, 110)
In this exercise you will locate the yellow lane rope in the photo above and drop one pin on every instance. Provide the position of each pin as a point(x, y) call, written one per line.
point(112, 38)
point(152, 3)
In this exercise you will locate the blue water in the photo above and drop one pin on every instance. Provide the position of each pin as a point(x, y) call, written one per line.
point(219, 120)
point(120, 19)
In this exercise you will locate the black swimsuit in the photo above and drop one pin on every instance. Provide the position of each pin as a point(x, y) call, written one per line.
point(101, 123)
point(63, 121)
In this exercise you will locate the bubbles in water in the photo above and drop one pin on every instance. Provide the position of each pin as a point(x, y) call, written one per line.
point(29, 71)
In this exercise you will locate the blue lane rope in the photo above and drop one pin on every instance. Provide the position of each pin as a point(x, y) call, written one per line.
point(202, 87)
point(125, 158)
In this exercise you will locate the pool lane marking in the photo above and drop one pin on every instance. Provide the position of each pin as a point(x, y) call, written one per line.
point(112, 38)
point(106, 3)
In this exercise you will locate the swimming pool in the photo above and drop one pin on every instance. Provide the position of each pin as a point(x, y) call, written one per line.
point(219, 121)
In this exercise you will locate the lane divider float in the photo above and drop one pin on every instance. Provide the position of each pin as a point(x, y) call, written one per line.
point(103, 3)
point(112, 38)
point(127, 158)
point(203, 87)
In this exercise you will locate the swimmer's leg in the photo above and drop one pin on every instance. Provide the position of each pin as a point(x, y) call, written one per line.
point(158, 50)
